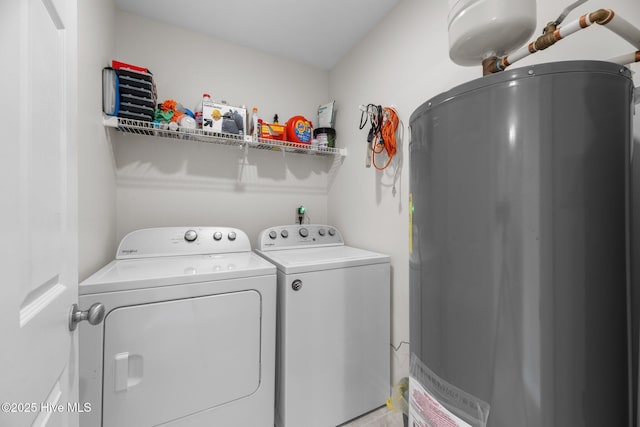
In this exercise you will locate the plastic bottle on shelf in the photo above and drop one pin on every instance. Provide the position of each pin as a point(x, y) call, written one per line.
point(254, 124)
point(198, 110)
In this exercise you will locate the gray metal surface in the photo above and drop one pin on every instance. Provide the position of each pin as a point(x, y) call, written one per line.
point(518, 273)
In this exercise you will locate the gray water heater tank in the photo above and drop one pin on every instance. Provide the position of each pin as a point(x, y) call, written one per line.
point(518, 264)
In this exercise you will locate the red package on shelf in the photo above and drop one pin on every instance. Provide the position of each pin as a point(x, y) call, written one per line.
point(118, 65)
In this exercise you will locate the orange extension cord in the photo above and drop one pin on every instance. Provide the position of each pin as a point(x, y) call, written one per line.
point(388, 134)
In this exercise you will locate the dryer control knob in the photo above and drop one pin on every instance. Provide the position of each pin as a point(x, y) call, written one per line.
point(303, 232)
point(321, 232)
point(284, 233)
point(217, 235)
point(273, 235)
point(190, 235)
point(332, 232)
point(232, 235)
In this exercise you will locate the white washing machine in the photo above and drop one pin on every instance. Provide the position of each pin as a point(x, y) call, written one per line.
point(333, 339)
point(189, 333)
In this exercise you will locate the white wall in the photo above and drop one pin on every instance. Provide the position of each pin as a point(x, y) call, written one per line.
point(96, 169)
point(403, 62)
point(163, 182)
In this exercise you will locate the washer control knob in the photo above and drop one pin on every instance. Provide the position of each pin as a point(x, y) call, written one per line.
point(273, 235)
point(190, 235)
point(321, 232)
point(232, 235)
point(217, 235)
point(284, 233)
point(332, 232)
point(303, 232)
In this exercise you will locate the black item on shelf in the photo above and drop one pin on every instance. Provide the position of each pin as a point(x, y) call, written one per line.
point(135, 94)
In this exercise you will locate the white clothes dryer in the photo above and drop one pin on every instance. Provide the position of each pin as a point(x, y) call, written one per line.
point(333, 328)
point(188, 339)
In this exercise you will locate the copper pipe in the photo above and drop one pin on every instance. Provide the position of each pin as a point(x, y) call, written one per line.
point(601, 16)
point(552, 34)
point(549, 36)
point(489, 65)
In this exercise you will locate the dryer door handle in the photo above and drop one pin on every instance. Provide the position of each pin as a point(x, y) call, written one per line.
point(128, 370)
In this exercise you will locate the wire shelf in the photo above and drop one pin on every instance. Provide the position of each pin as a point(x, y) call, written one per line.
point(139, 127)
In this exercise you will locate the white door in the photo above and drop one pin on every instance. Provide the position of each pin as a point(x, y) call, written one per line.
point(38, 203)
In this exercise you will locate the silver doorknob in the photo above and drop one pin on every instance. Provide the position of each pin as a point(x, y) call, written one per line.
point(94, 315)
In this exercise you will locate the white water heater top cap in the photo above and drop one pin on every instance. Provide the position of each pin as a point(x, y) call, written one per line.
point(482, 28)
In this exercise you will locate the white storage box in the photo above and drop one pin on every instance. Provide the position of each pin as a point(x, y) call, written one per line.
point(223, 118)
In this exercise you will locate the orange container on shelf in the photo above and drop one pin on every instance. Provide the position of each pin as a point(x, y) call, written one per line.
point(273, 131)
point(299, 130)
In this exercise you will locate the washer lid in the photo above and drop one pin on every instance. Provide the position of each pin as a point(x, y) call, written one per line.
point(324, 258)
point(128, 274)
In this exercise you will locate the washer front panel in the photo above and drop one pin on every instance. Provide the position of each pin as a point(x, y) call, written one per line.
point(334, 345)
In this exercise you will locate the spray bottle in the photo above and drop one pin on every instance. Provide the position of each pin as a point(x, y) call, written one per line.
point(198, 110)
point(255, 127)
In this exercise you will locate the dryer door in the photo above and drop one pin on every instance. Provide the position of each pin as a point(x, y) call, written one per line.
point(168, 360)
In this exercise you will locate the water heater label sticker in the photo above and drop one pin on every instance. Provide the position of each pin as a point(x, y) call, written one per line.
point(426, 411)
point(433, 402)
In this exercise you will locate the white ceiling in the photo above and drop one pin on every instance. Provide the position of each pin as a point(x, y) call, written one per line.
point(315, 32)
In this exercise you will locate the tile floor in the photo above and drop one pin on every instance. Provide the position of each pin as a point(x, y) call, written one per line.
point(382, 417)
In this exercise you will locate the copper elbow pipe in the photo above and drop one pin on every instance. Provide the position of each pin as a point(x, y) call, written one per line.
point(601, 16)
point(489, 65)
